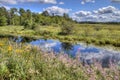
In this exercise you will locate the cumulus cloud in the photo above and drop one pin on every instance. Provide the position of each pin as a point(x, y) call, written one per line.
point(61, 2)
point(104, 10)
point(48, 1)
point(23, 1)
point(115, 0)
point(86, 1)
point(82, 13)
point(7, 7)
point(8, 1)
point(105, 14)
point(57, 10)
point(14, 2)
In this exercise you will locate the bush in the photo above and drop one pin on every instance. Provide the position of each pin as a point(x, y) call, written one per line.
point(67, 28)
point(27, 24)
point(35, 26)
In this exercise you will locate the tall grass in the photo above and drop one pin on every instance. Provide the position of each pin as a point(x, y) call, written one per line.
point(26, 62)
point(99, 34)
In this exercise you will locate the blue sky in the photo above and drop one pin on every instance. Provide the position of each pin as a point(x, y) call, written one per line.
point(80, 10)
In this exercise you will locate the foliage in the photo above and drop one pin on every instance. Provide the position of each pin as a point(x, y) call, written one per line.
point(37, 25)
point(27, 24)
point(27, 18)
point(26, 62)
point(3, 21)
point(67, 28)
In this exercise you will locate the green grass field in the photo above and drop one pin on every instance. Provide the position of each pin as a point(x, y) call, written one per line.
point(99, 34)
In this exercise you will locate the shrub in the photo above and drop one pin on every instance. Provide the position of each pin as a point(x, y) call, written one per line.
point(36, 27)
point(67, 28)
point(88, 41)
point(27, 24)
point(107, 41)
point(102, 42)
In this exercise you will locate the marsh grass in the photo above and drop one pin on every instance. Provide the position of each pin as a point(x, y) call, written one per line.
point(26, 62)
point(98, 34)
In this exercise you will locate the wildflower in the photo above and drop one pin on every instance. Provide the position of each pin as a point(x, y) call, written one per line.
point(1, 44)
point(18, 51)
point(10, 48)
point(28, 48)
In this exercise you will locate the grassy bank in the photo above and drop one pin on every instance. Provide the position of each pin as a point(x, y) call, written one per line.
point(25, 62)
point(99, 34)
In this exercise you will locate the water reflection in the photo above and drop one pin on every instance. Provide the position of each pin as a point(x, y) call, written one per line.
point(67, 48)
point(88, 53)
point(20, 39)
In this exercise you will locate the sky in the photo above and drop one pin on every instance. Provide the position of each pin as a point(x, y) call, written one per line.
point(79, 10)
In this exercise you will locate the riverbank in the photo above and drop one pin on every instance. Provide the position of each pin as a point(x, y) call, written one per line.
point(98, 34)
point(23, 61)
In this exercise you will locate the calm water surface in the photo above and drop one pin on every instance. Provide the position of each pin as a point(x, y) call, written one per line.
point(87, 52)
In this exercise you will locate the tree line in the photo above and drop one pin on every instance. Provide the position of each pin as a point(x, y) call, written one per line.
point(29, 19)
point(91, 22)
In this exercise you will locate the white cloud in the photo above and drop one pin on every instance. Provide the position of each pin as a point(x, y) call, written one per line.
point(14, 2)
point(82, 2)
point(7, 7)
point(57, 10)
point(8, 1)
point(104, 10)
point(115, 0)
point(82, 13)
point(61, 2)
point(23, 1)
point(86, 1)
point(104, 14)
point(48, 1)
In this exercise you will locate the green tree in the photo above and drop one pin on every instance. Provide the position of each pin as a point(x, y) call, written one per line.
point(13, 14)
point(45, 13)
point(3, 21)
point(22, 15)
point(27, 24)
point(66, 16)
point(29, 17)
point(67, 28)
point(3, 15)
point(3, 11)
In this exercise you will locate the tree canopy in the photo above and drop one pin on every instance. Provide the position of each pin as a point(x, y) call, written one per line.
point(28, 18)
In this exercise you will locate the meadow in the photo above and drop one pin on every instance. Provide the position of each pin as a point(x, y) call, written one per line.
point(25, 62)
point(98, 34)
point(22, 61)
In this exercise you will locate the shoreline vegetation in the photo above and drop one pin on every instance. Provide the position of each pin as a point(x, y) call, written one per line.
point(26, 62)
point(105, 34)
point(21, 22)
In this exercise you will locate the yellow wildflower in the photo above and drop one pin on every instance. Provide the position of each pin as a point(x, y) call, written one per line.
point(1, 44)
point(18, 51)
point(10, 48)
point(28, 48)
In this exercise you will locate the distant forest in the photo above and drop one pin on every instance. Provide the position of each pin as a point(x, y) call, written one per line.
point(28, 18)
